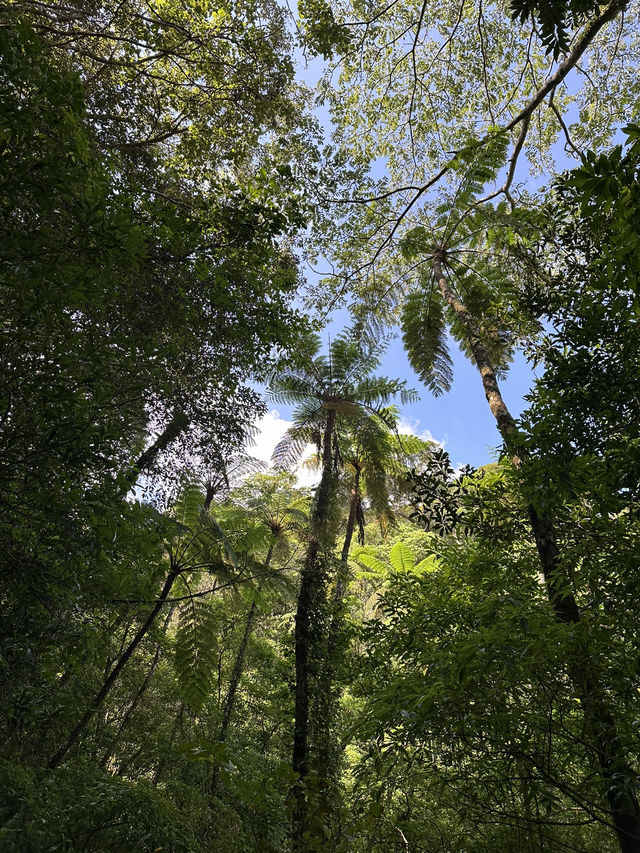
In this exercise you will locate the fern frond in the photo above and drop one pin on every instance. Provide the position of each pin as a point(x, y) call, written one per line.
point(210, 531)
point(401, 558)
point(478, 165)
point(291, 447)
point(377, 491)
point(291, 389)
point(424, 329)
point(188, 506)
point(369, 561)
point(195, 657)
point(379, 391)
point(475, 287)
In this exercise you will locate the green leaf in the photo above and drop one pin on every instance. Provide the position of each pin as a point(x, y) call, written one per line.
point(401, 558)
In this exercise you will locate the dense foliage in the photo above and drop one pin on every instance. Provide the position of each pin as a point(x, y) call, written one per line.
point(199, 654)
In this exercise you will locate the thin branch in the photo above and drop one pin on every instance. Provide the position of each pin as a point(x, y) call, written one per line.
point(565, 129)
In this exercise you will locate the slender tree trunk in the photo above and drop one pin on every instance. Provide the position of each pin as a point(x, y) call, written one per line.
point(177, 425)
point(139, 694)
point(115, 672)
point(616, 772)
point(348, 536)
point(311, 583)
point(177, 724)
point(236, 674)
point(239, 663)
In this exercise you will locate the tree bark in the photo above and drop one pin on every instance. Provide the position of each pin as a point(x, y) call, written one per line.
point(115, 672)
point(616, 772)
point(330, 695)
point(310, 587)
point(177, 425)
point(138, 696)
point(348, 536)
point(236, 674)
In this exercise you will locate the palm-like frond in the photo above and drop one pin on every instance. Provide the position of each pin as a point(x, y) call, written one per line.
point(292, 389)
point(229, 472)
point(213, 532)
point(188, 506)
point(195, 657)
point(292, 446)
point(492, 322)
point(424, 328)
point(478, 164)
point(401, 558)
point(376, 392)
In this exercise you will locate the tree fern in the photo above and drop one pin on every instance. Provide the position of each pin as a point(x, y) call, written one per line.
point(188, 506)
point(424, 334)
point(401, 558)
point(196, 648)
point(340, 381)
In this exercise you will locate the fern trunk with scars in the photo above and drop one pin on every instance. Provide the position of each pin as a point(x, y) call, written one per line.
point(311, 588)
point(109, 682)
point(330, 694)
point(614, 767)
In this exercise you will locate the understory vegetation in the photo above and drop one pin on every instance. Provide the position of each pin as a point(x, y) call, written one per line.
point(200, 654)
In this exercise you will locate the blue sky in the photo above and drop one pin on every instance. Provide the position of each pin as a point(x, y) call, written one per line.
point(461, 419)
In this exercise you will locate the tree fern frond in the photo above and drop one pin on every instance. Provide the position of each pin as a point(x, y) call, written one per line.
point(491, 322)
point(378, 391)
point(416, 242)
point(188, 506)
point(291, 448)
point(291, 389)
point(424, 328)
point(401, 557)
point(209, 524)
point(478, 164)
point(376, 488)
point(369, 324)
point(195, 657)
point(369, 561)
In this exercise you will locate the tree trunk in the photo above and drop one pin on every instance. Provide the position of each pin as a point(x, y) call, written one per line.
point(115, 672)
point(138, 696)
point(616, 772)
point(330, 695)
point(236, 674)
point(310, 589)
point(348, 536)
point(177, 425)
point(239, 664)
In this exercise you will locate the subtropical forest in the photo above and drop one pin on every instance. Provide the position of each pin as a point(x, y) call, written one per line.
point(209, 210)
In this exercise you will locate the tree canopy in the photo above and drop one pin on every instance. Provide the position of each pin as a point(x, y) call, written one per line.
point(200, 654)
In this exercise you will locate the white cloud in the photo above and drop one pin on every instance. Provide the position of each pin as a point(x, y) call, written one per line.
point(411, 426)
point(271, 428)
